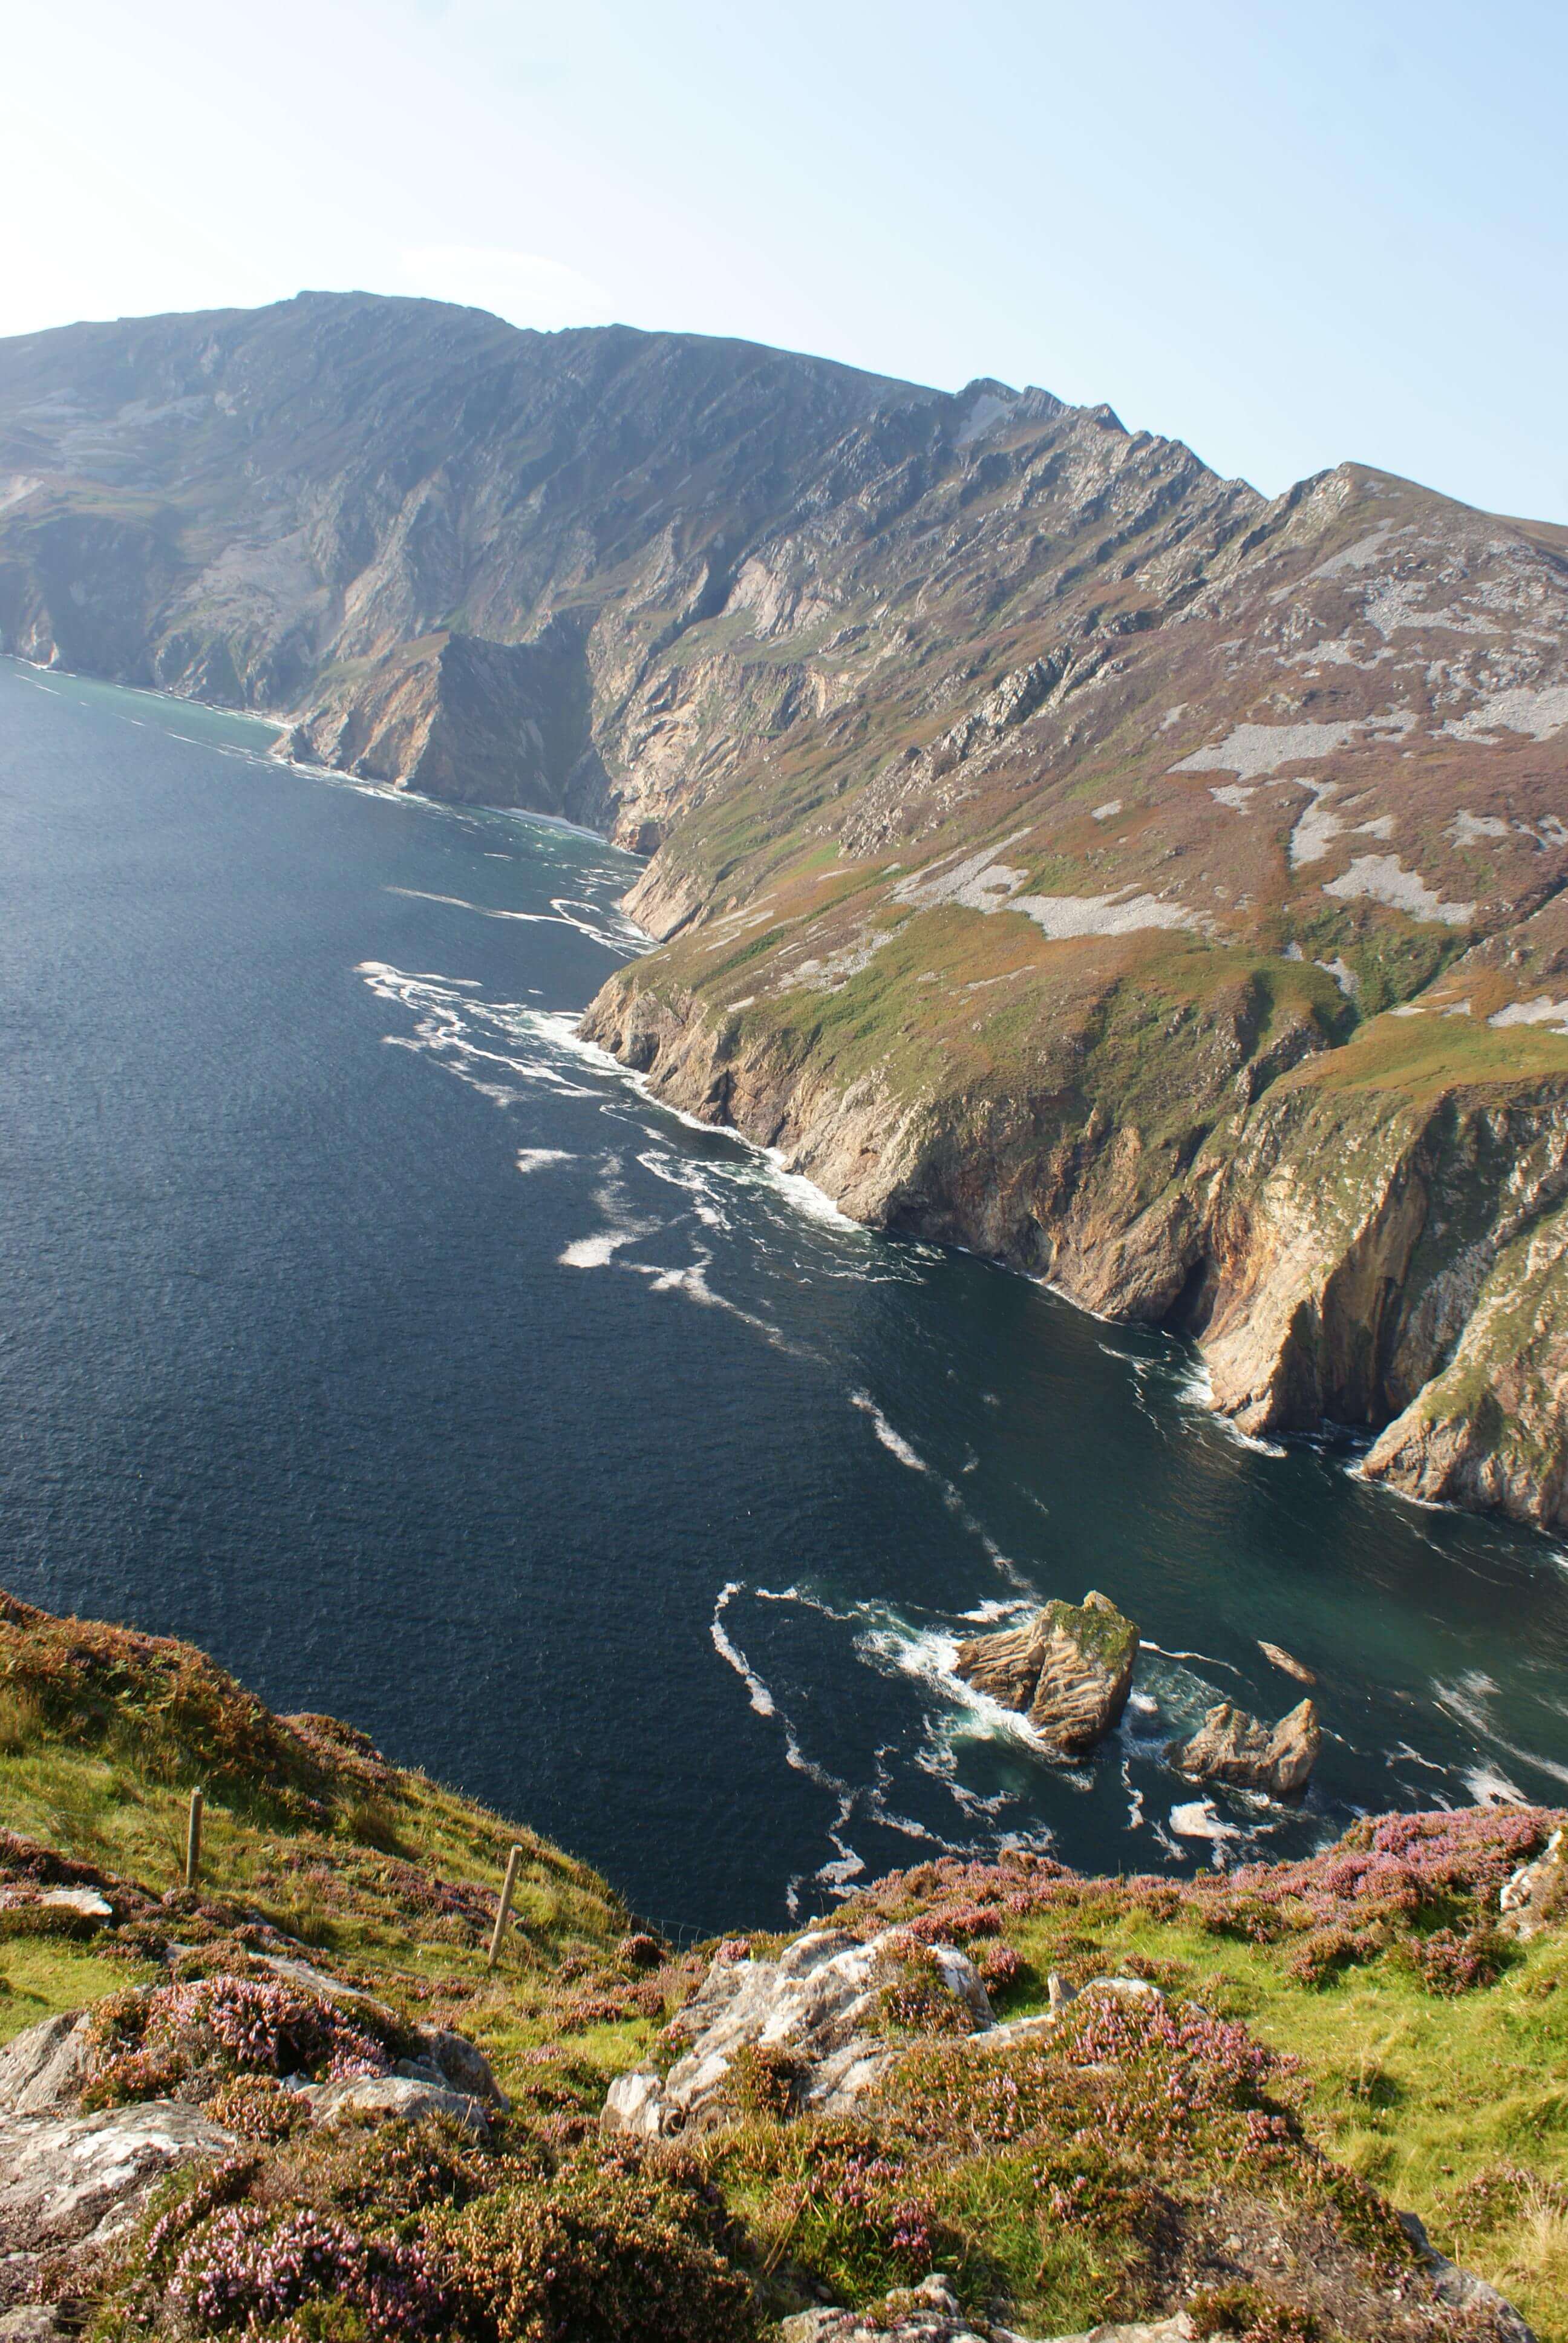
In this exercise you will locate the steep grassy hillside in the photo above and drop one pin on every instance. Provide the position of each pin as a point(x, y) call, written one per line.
point(1324, 2040)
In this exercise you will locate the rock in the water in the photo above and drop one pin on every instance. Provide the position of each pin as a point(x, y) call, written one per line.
point(1231, 1746)
point(1277, 1655)
point(1069, 1670)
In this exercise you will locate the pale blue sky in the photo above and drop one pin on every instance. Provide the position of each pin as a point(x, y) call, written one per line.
point(1287, 233)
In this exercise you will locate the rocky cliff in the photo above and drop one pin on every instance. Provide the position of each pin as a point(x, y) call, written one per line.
point(1056, 849)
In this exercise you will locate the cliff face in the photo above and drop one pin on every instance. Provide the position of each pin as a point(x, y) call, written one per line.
point(1059, 849)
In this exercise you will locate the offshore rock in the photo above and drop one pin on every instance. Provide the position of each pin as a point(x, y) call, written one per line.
point(1231, 1746)
point(1069, 1670)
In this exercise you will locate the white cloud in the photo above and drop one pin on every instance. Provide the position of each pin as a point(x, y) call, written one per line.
point(527, 288)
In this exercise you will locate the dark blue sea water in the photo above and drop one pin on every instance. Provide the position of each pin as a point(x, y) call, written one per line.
point(359, 1325)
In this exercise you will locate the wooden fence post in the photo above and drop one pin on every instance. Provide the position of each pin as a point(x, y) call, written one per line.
point(193, 1840)
point(504, 1908)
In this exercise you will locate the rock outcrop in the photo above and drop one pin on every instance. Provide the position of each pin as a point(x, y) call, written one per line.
point(1536, 1893)
point(929, 2313)
point(1069, 1670)
point(1231, 1746)
point(74, 2182)
point(818, 2010)
point(819, 2002)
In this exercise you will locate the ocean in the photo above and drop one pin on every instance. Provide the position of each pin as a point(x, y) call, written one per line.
point(359, 1324)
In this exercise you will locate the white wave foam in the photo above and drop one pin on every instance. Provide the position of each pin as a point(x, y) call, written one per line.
point(894, 1441)
point(928, 1655)
point(534, 1159)
point(481, 910)
point(761, 1698)
point(597, 1252)
point(1489, 1786)
point(806, 1601)
point(1402, 1754)
point(1204, 1659)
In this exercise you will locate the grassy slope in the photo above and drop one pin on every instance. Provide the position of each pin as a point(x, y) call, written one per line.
point(101, 1735)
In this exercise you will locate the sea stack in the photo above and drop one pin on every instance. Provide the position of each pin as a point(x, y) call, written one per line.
point(1231, 1746)
point(1069, 1670)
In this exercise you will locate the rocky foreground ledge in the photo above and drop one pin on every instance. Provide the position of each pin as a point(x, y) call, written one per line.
point(988, 2100)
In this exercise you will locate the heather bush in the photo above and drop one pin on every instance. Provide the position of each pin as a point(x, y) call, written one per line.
point(254, 2269)
point(1245, 2315)
point(190, 2038)
point(763, 2080)
point(1499, 2198)
point(1001, 1968)
point(385, 2175)
point(914, 1999)
point(639, 1951)
point(857, 2209)
point(1448, 1963)
point(1327, 1952)
point(600, 2255)
point(256, 2107)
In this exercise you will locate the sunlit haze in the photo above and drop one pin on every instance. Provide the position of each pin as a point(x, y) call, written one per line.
point(1286, 235)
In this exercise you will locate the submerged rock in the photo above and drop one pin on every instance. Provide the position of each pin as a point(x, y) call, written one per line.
point(1279, 1658)
point(1069, 1670)
point(1231, 1746)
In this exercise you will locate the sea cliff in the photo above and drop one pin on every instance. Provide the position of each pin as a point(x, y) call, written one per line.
point(1055, 849)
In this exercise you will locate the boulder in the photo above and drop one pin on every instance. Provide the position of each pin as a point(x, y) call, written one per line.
point(44, 2068)
point(1460, 2291)
point(378, 2098)
point(70, 2185)
point(1069, 1670)
point(455, 2061)
point(816, 2001)
point(85, 1902)
point(1231, 1746)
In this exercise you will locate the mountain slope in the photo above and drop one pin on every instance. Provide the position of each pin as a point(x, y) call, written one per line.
point(1059, 851)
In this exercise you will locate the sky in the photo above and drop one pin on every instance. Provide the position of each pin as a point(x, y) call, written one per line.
point(1288, 235)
